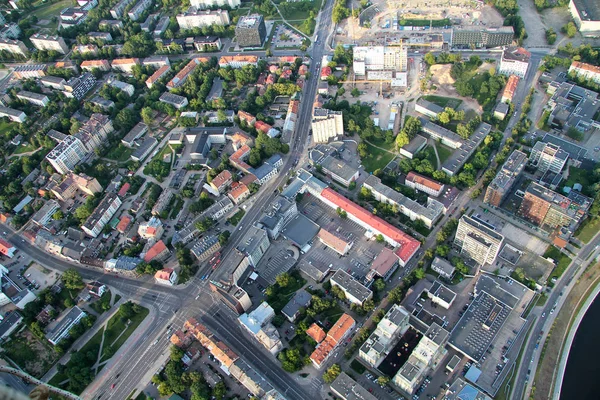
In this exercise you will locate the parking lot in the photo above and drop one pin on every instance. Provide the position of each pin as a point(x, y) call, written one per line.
point(284, 37)
point(279, 258)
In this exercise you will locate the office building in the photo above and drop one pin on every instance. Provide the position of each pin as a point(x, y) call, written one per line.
point(195, 18)
point(12, 114)
point(40, 100)
point(60, 329)
point(326, 124)
point(443, 267)
point(299, 302)
point(47, 42)
point(280, 212)
point(413, 147)
point(573, 106)
point(29, 71)
point(388, 332)
point(250, 31)
point(102, 214)
point(254, 244)
point(119, 8)
point(66, 155)
point(440, 295)
point(379, 58)
point(514, 61)
point(134, 134)
point(138, 9)
point(478, 37)
point(586, 14)
point(355, 292)
point(14, 47)
point(478, 240)
point(424, 184)
point(548, 157)
point(79, 87)
point(258, 324)
point(504, 180)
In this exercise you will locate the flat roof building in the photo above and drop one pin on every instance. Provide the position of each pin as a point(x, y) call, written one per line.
point(586, 14)
point(548, 157)
point(500, 186)
point(250, 31)
point(61, 328)
point(347, 388)
point(355, 292)
point(478, 37)
point(478, 241)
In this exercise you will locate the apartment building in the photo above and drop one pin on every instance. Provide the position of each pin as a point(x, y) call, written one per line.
point(14, 47)
point(101, 215)
point(157, 75)
point(250, 31)
point(72, 183)
point(72, 16)
point(586, 14)
point(152, 229)
point(59, 330)
point(204, 248)
point(428, 108)
point(125, 87)
point(427, 214)
point(514, 61)
point(195, 18)
point(221, 182)
point(40, 100)
point(340, 330)
point(347, 388)
point(155, 251)
point(355, 291)
point(548, 157)
point(258, 324)
point(66, 155)
point(12, 114)
point(327, 124)
point(119, 8)
point(202, 4)
point(478, 240)
point(44, 214)
point(125, 64)
point(78, 87)
point(504, 180)
point(30, 71)
point(480, 37)
point(236, 62)
point(424, 184)
point(9, 31)
point(388, 332)
point(162, 202)
point(207, 43)
point(379, 58)
point(138, 9)
point(54, 82)
point(510, 89)
point(48, 42)
point(185, 72)
point(89, 65)
point(166, 276)
point(94, 133)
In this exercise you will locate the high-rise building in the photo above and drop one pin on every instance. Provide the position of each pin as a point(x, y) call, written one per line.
point(14, 47)
point(327, 124)
point(251, 31)
point(379, 58)
point(548, 157)
point(499, 188)
point(66, 155)
point(514, 61)
point(47, 42)
point(476, 36)
point(478, 240)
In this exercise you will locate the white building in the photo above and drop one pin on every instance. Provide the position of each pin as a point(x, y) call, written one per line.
point(47, 42)
point(379, 58)
point(33, 98)
point(14, 47)
point(586, 14)
point(125, 87)
point(61, 328)
point(194, 18)
point(138, 9)
point(389, 330)
point(548, 157)
point(587, 71)
point(66, 155)
point(102, 214)
point(423, 184)
point(12, 114)
point(202, 4)
point(258, 324)
point(514, 61)
point(478, 240)
point(166, 276)
point(327, 124)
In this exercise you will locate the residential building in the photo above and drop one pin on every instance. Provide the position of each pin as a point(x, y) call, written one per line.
point(387, 334)
point(158, 251)
point(280, 212)
point(383, 266)
point(501, 111)
point(162, 202)
point(138, 9)
point(248, 119)
point(90, 65)
point(111, 24)
point(125, 87)
point(66, 155)
point(379, 58)
point(182, 75)
point(101, 102)
point(268, 170)
point(119, 9)
point(239, 61)
point(326, 124)
point(548, 157)
point(347, 388)
point(587, 71)
point(316, 332)
point(221, 182)
point(9, 31)
point(195, 18)
point(68, 187)
point(153, 229)
point(11, 321)
point(478, 240)
point(299, 302)
point(586, 14)
point(509, 90)
point(157, 75)
point(72, 16)
point(250, 31)
point(441, 295)
point(443, 267)
point(60, 329)
point(88, 49)
point(161, 26)
point(514, 61)
point(254, 245)
point(176, 101)
point(232, 295)
point(219, 209)
point(428, 108)
point(340, 330)
point(166, 276)
point(134, 134)
point(123, 224)
point(156, 61)
point(207, 43)
point(47, 42)
point(40, 100)
point(258, 324)
point(335, 241)
point(215, 3)
point(504, 180)
point(428, 214)
point(94, 133)
point(7, 249)
point(12, 114)
point(44, 214)
point(14, 47)
point(204, 248)
point(123, 264)
point(102, 37)
point(478, 37)
point(125, 64)
point(239, 192)
point(424, 184)
point(415, 145)
point(144, 149)
point(78, 87)
point(29, 71)
point(355, 292)
point(102, 214)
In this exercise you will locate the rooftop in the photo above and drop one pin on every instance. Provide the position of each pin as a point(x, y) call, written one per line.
point(250, 21)
point(425, 181)
point(516, 54)
point(350, 389)
point(351, 285)
point(384, 262)
point(316, 333)
point(300, 300)
point(589, 10)
point(300, 230)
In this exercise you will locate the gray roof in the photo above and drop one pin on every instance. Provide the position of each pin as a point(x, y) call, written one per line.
point(351, 285)
point(589, 10)
point(171, 98)
point(9, 321)
point(415, 144)
point(338, 167)
point(455, 162)
point(349, 389)
point(576, 152)
point(251, 240)
point(146, 144)
point(301, 299)
point(442, 265)
point(64, 323)
point(434, 108)
point(300, 230)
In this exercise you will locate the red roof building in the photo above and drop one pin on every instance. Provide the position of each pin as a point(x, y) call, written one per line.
point(424, 184)
point(123, 224)
point(166, 276)
point(338, 332)
point(316, 333)
point(325, 72)
point(7, 249)
point(407, 245)
point(303, 70)
point(124, 189)
point(510, 89)
point(246, 117)
point(238, 192)
point(157, 252)
point(262, 127)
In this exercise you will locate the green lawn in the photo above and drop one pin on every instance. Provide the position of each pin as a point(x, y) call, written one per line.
point(430, 155)
point(237, 217)
point(47, 11)
point(24, 149)
point(377, 158)
point(6, 126)
point(282, 296)
point(444, 101)
point(120, 153)
point(588, 229)
point(562, 261)
point(114, 328)
point(577, 175)
point(444, 152)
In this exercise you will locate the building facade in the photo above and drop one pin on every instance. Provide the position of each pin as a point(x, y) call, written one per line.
point(477, 240)
point(250, 31)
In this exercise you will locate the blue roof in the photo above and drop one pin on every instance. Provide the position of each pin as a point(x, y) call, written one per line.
point(273, 159)
point(262, 171)
point(468, 393)
point(473, 374)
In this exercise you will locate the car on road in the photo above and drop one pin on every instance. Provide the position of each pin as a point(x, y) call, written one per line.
point(113, 385)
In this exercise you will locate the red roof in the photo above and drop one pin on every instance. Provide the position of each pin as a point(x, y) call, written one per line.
point(164, 274)
point(430, 183)
point(158, 248)
point(262, 126)
point(325, 72)
point(5, 246)
point(221, 179)
point(408, 245)
point(238, 189)
point(123, 224)
point(124, 189)
point(511, 87)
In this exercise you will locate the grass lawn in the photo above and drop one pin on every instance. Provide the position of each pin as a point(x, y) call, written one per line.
point(236, 218)
point(281, 296)
point(6, 126)
point(24, 149)
point(47, 11)
point(357, 366)
point(114, 328)
point(377, 158)
point(430, 155)
point(577, 175)
point(444, 152)
point(562, 261)
point(444, 101)
point(119, 153)
point(588, 229)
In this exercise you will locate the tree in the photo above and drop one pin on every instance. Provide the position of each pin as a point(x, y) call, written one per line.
point(355, 92)
point(332, 373)
point(379, 285)
point(72, 279)
point(379, 238)
point(219, 391)
point(283, 279)
point(429, 59)
point(58, 215)
point(383, 380)
point(363, 150)
point(419, 273)
point(569, 29)
point(176, 354)
point(224, 237)
point(147, 115)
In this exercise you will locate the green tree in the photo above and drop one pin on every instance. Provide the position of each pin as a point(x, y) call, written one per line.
point(355, 92)
point(146, 114)
point(569, 29)
point(419, 273)
point(72, 279)
point(58, 215)
point(383, 380)
point(332, 373)
point(283, 279)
